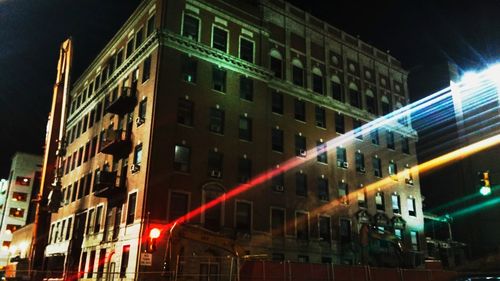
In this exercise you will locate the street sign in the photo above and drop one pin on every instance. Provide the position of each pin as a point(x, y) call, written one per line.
point(146, 259)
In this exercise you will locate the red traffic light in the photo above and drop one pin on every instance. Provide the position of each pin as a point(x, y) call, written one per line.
point(154, 233)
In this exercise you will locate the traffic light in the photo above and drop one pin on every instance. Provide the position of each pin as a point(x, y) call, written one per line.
point(484, 183)
point(154, 233)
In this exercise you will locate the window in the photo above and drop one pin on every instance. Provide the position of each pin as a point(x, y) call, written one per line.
point(246, 50)
point(138, 37)
point(323, 190)
point(130, 48)
point(243, 217)
point(320, 117)
point(16, 212)
point(146, 70)
point(178, 206)
point(354, 96)
point(216, 121)
point(219, 79)
point(342, 157)
point(412, 210)
point(300, 184)
point(374, 137)
point(405, 145)
point(215, 164)
point(142, 111)
point(339, 123)
point(277, 222)
point(343, 192)
point(317, 81)
point(377, 167)
point(97, 223)
point(278, 182)
point(93, 146)
point(297, 73)
point(124, 263)
point(277, 140)
point(151, 25)
point(209, 272)
point(19, 196)
point(321, 151)
point(80, 156)
point(88, 184)
point(390, 139)
point(345, 231)
point(324, 229)
point(386, 107)
point(356, 124)
point(337, 89)
point(212, 216)
point(360, 162)
point(408, 175)
point(245, 128)
point(398, 233)
point(277, 102)
point(393, 169)
point(300, 146)
point(302, 258)
point(302, 222)
point(100, 263)
point(182, 158)
point(371, 104)
point(219, 39)
point(189, 69)
point(380, 201)
point(132, 197)
point(244, 170)
point(190, 27)
point(362, 198)
point(83, 268)
point(12, 227)
point(85, 122)
point(396, 204)
point(246, 88)
point(138, 155)
point(90, 271)
point(185, 112)
point(414, 241)
point(276, 64)
point(25, 181)
point(87, 150)
point(98, 112)
point(300, 110)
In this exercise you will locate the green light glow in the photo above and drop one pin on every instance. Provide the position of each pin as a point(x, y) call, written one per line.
point(478, 207)
point(485, 190)
point(454, 202)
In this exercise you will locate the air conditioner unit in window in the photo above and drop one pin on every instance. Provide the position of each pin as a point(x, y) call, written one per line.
point(279, 188)
point(215, 174)
point(135, 168)
point(362, 170)
point(303, 152)
point(345, 165)
point(409, 181)
point(139, 121)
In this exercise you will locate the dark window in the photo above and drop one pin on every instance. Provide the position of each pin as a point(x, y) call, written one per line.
point(362, 198)
point(278, 257)
point(138, 37)
point(246, 88)
point(75, 191)
point(138, 155)
point(360, 162)
point(345, 231)
point(146, 70)
point(277, 102)
point(278, 182)
point(341, 157)
point(87, 150)
point(302, 222)
point(216, 121)
point(213, 215)
point(178, 206)
point(142, 112)
point(182, 158)
point(16, 212)
point(380, 201)
point(377, 167)
point(337, 91)
point(324, 229)
point(185, 112)
point(85, 123)
point(323, 190)
point(189, 69)
point(124, 263)
point(344, 192)
point(91, 264)
point(320, 117)
point(190, 27)
point(371, 105)
point(209, 272)
point(356, 124)
point(317, 83)
point(300, 110)
point(386, 108)
point(297, 75)
point(132, 197)
point(355, 98)
point(100, 263)
point(277, 67)
point(405, 145)
point(81, 187)
point(300, 184)
point(68, 231)
point(88, 184)
point(97, 223)
point(83, 269)
point(412, 210)
point(326, 260)
point(277, 222)
point(277, 140)
point(219, 79)
point(93, 147)
point(245, 128)
point(98, 112)
point(246, 50)
point(80, 157)
point(321, 151)
point(244, 170)
point(19, 196)
point(302, 258)
point(300, 146)
point(130, 48)
point(219, 39)
point(390, 139)
point(396, 204)
point(215, 164)
point(339, 123)
point(151, 25)
point(243, 216)
point(91, 118)
point(374, 137)
point(12, 227)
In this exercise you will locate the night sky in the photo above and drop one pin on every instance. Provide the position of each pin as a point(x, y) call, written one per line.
point(416, 32)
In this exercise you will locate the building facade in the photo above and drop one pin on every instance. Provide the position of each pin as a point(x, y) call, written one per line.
point(23, 182)
point(193, 99)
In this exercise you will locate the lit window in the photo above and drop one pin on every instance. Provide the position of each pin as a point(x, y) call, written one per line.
point(380, 201)
point(396, 205)
point(412, 210)
point(182, 158)
point(16, 212)
point(415, 245)
point(23, 181)
point(19, 196)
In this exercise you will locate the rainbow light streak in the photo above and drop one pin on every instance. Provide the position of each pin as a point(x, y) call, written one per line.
point(389, 120)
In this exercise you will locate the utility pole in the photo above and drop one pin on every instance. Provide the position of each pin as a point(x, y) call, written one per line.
point(49, 198)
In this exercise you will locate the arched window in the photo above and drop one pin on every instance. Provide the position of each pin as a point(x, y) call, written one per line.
point(337, 93)
point(371, 104)
point(297, 73)
point(317, 80)
point(276, 63)
point(354, 95)
point(386, 106)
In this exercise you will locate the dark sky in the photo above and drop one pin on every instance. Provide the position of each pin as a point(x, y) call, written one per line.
point(415, 32)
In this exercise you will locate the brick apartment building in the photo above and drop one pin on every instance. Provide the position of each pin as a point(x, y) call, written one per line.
point(193, 98)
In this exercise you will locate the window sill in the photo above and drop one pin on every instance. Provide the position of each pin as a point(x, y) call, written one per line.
point(219, 92)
